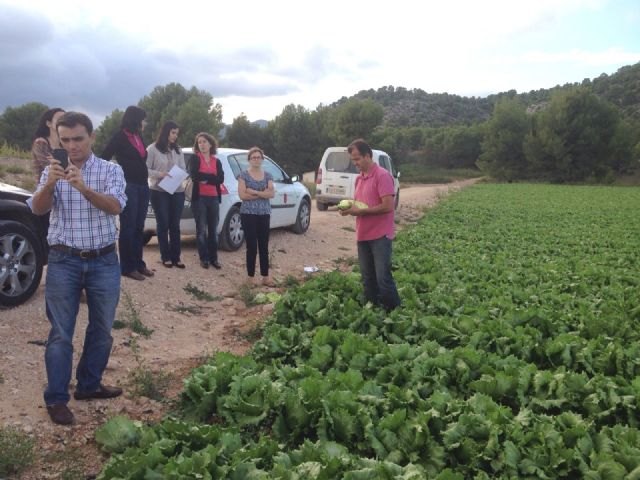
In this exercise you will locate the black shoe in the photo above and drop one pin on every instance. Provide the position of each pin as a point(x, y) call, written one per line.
point(167, 263)
point(216, 265)
point(60, 414)
point(179, 265)
point(135, 275)
point(104, 391)
point(204, 264)
point(146, 272)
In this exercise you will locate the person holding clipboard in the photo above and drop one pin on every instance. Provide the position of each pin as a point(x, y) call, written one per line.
point(163, 156)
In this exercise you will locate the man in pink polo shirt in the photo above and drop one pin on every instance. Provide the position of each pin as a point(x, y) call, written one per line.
point(375, 227)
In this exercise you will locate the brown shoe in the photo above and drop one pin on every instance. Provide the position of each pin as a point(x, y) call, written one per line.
point(104, 391)
point(60, 414)
point(135, 275)
point(146, 272)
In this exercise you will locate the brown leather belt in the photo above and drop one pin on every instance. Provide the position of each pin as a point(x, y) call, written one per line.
point(85, 254)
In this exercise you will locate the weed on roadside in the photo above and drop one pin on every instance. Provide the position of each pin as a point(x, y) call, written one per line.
point(185, 309)
point(253, 334)
point(290, 281)
point(145, 382)
point(16, 451)
point(349, 229)
point(199, 294)
point(16, 169)
point(132, 317)
point(118, 325)
point(71, 461)
point(247, 295)
point(347, 261)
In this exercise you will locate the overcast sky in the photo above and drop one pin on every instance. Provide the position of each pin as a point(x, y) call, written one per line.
point(256, 57)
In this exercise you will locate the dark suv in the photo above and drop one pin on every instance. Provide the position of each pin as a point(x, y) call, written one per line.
point(23, 247)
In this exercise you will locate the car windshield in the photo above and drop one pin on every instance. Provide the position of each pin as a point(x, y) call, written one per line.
point(240, 162)
point(340, 162)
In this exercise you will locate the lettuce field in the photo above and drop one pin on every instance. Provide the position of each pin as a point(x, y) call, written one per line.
point(515, 355)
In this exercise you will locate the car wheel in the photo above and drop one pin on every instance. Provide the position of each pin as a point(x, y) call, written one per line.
point(21, 262)
point(397, 200)
point(322, 206)
point(303, 218)
point(146, 237)
point(232, 235)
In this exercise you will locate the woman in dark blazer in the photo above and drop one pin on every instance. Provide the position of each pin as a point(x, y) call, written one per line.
point(128, 148)
point(207, 175)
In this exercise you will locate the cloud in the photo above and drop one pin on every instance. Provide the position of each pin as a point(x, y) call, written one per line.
point(104, 69)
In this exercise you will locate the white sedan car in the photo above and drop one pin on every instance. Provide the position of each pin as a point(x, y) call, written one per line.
point(290, 207)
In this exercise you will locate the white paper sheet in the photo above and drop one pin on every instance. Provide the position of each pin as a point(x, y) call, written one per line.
point(171, 182)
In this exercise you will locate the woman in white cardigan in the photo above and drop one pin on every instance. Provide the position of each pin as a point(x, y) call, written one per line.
point(161, 157)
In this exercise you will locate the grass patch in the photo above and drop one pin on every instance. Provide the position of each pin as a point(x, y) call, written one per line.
point(16, 170)
point(132, 317)
point(145, 382)
point(7, 150)
point(16, 451)
point(349, 229)
point(200, 294)
point(418, 173)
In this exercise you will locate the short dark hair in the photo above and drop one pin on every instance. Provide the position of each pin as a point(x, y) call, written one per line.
point(253, 150)
point(362, 146)
point(162, 142)
point(132, 119)
point(43, 130)
point(72, 119)
point(210, 139)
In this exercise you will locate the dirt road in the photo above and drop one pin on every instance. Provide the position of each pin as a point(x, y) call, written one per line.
point(184, 330)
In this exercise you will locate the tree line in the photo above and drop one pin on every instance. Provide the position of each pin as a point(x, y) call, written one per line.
point(578, 132)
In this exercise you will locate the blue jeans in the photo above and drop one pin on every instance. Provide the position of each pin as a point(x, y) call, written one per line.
point(168, 210)
point(132, 219)
point(375, 266)
point(67, 276)
point(206, 211)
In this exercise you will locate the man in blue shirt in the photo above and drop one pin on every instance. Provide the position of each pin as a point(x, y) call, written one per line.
point(84, 200)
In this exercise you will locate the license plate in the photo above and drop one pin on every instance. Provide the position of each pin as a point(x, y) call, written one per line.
point(335, 190)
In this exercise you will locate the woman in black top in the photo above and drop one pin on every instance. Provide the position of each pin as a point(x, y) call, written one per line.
point(129, 150)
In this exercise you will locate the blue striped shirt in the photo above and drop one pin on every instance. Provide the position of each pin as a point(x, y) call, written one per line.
point(74, 221)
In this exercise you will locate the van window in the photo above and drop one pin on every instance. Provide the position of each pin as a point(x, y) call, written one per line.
point(385, 162)
point(340, 162)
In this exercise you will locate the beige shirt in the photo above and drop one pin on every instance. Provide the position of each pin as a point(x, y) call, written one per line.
point(158, 163)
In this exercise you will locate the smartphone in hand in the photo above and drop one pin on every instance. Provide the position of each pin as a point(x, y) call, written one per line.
point(62, 156)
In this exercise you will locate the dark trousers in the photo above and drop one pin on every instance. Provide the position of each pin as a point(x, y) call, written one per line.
point(132, 218)
point(256, 235)
point(168, 209)
point(206, 211)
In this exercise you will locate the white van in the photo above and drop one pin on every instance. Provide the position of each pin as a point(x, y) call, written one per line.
point(336, 177)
